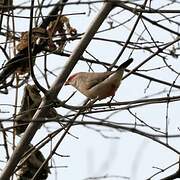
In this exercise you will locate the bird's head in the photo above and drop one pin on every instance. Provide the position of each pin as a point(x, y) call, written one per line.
point(71, 79)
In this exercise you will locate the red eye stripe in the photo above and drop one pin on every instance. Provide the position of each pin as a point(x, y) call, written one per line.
point(72, 77)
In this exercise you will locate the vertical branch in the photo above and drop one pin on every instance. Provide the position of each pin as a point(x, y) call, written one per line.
point(167, 109)
point(5, 140)
point(15, 109)
point(30, 53)
point(1, 20)
point(46, 70)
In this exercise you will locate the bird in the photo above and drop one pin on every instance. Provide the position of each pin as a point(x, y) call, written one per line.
point(30, 102)
point(98, 85)
point(30, 163)
point(19, 63)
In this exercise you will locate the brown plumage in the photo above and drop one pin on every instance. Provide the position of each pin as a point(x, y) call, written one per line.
point(29, 105)
point(98, 85)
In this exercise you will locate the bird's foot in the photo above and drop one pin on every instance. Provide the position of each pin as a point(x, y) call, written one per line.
point(89, 104)
point(109, 102)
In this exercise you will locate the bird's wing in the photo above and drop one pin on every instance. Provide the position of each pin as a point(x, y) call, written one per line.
point(20, 60)
point(12, 65)
point(92, 79)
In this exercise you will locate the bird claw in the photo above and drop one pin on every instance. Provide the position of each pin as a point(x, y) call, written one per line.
point(89, 105)
point(109, 102)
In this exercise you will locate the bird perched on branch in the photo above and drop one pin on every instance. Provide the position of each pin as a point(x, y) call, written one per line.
point(31, 100)
point(40, 37)
point(98, 85)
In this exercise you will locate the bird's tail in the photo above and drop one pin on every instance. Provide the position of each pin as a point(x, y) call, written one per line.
point(19, 60)
point(11, 66)
point(5, 74)
point(125, 64)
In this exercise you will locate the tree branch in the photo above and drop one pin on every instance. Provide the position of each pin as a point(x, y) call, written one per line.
point(53, 92)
